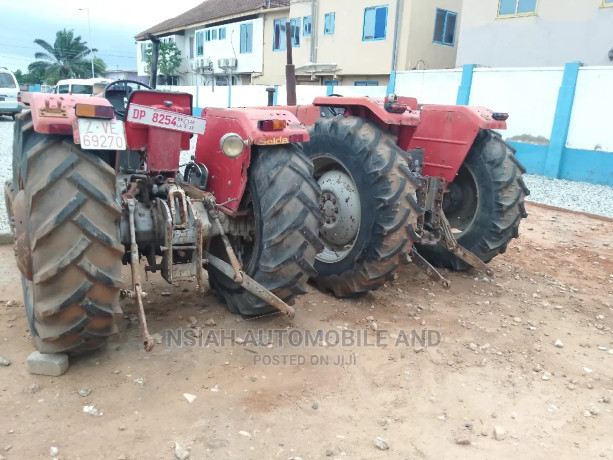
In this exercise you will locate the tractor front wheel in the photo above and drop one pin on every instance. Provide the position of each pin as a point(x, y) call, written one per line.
point(484, 204)
point(281, 200)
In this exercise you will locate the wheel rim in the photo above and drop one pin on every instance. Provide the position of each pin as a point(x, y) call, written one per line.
point(340, 203)
point(461, 202)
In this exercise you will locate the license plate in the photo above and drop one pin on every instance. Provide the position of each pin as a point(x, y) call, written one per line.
point(165, 119)
point(96, 134)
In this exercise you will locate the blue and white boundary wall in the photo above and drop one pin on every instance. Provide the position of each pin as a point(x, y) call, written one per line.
point(560, 117)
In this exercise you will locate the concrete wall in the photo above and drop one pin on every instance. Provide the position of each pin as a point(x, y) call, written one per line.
point(561, 31)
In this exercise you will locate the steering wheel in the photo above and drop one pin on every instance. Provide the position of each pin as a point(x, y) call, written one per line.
point(121, 112)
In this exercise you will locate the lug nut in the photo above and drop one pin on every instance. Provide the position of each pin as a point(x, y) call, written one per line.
point(321, 206)
point(333, 218)
point(328, 196)
point(336, 210)
point(327, 220)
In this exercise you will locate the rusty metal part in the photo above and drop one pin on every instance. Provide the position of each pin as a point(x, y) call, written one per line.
point(236, 266)
point(452, 245)
point(251, 285)
point(178, 206)
point(57, 111)
point(199, 245)
point(148, 341)
point(428, 269)
point(22, 246)
point(432, 193)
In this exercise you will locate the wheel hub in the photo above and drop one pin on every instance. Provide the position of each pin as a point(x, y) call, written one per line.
point(340, 203)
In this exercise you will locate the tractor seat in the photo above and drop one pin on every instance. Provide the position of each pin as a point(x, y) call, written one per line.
point(118, 97)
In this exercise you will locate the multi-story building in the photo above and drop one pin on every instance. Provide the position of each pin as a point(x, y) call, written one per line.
point(348, 42)
point(528, 33)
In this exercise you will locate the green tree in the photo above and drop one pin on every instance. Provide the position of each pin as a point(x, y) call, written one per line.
point(66, 58)
point(20, 76)
point(169, 59)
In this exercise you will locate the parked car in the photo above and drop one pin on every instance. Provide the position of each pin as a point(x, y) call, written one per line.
point(80, 86)
point(10, 96)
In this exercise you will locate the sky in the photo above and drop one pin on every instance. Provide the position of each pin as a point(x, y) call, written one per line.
point(114, 23)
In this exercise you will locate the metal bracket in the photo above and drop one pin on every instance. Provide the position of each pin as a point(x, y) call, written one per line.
point(428, 269)
point(137, 293)
point(250, 285)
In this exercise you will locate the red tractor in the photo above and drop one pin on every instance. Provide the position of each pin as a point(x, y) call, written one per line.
point(434, 185)
point(96, 184)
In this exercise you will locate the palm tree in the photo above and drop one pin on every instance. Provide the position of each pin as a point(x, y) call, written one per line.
point(65, 59)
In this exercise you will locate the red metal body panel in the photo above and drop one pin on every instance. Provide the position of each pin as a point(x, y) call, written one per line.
point(228, 176)
point(54, 113)
point(163, 145)
point(446, 133)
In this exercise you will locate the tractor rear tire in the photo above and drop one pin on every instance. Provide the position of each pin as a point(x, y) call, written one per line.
point(484, 204)
point(72, 221)
point(368, 198)
point(282, 199)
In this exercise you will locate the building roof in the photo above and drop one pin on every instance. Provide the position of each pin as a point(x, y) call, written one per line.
point(208, 11)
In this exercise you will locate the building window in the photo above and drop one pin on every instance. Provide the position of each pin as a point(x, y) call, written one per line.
point(329, 21)
point(307, 24)
point(366, 83)
point(246, 38)
point(214, 34)
point(222, 33)
point(143, 52)
point(375, 23)
point(295, 25)
point(278, 43)
point(516, 7)
point(607, 2)
point(200, 43)
point(444, 27)
point(191, 47)
point(330, 82)
point(207, 35)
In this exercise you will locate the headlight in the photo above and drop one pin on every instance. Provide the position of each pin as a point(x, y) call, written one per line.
point(232, 145)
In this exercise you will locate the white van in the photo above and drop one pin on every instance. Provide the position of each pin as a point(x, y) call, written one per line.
point(10, 96)
point(79, 86)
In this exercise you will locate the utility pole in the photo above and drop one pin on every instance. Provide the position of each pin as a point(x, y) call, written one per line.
point(290, 68)
point(89, 25)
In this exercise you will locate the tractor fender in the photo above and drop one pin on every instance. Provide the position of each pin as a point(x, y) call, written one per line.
point(446, 133)
point(55, 114)
point(228, 176)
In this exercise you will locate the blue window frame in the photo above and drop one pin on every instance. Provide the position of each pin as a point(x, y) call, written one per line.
point(214, 34)
point(200, 43)
point(247, 38)
point(444, 27)
point(222, 33)
point(375, 23)
point(516, 7)
point(295, 26)
point(279, 38)
point(207, 36)
point(307, 25)
point(330, 82)
point(329, 20)
point(366, 83)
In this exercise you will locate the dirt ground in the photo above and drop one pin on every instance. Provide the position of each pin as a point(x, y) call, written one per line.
point(496, 365)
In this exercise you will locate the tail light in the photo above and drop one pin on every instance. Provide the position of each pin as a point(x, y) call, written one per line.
point(500, 116)
point(94, 111)
point(272, 125)
point(19, 96)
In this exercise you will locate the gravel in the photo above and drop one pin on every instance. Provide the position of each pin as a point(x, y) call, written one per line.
point(578, 196)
